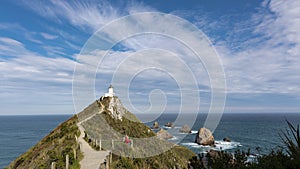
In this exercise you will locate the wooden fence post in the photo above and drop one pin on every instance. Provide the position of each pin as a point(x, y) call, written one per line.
point(67, 161)
point(110, 157)
point(80, 146)
point(53, 165)
point(100, 146)
point(112, 144)
point(106, 164)
point(74, 152)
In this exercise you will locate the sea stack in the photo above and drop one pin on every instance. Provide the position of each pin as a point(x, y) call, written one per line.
point(155, 125)
point(185, 129)
point(204, 137)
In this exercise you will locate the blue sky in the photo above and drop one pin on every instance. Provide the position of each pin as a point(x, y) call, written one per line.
point(258, 43)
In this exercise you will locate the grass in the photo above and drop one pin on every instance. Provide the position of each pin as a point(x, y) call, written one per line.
point(53, 148)
point(61, 141)
point(291, 139)
point(176, 157)
point(159, 153)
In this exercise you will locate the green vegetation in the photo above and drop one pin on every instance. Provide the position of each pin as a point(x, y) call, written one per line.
point(126, 126)
point(145, 150)
point(53, 148)
point(291, 138)
point(160, 153)
point(107, 128)
point(176, 157)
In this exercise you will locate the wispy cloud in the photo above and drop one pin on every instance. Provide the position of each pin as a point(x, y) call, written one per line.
point(91, 15)
point(12, 48)
point(260, 52)
point(266, 61)
point(27, 78)
point(48, 36)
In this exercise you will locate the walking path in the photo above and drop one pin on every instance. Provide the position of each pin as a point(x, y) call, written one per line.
point(91, 158)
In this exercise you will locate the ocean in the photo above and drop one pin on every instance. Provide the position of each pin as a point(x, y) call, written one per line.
point(258, 132)
point(247, 130)
point(19, 133)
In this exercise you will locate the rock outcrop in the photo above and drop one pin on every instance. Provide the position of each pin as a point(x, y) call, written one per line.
point(204, 137)
point(226, 139)
point(155, 125)
point(169, 124)
point(163, 134)
point(185, 129)
point(113, 106)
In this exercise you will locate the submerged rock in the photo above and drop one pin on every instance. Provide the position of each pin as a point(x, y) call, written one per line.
point(163, 134)
point(226, 139)
point(185, 129)
point(204, 137)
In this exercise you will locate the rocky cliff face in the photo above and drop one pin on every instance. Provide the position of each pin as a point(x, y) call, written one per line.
point(113, 106)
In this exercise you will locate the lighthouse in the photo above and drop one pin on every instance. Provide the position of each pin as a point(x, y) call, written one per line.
point(110, 92)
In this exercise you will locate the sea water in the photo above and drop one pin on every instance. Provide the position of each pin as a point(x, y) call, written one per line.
point(19, 133)
point(259, 132)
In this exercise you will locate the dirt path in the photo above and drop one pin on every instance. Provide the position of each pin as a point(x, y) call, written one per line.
point(91, 158)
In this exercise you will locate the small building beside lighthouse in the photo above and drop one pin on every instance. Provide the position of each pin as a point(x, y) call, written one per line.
point(110, 92)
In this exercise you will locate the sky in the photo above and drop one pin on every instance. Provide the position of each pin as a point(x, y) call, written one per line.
point(258, 44)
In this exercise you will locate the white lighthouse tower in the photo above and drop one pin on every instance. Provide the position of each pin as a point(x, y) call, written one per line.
point(110, 92)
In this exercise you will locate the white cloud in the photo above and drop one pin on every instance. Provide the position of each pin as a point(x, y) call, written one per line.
point(11, 42)
point(12, 26)
point(265, 60)
point(260, 53)
point(48, 36)
point(91, 15)
point(11, 47)
point(163, 47)
point(268, 60)
point(30, 79)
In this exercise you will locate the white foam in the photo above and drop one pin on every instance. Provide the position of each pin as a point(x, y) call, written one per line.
point(189, 144)
point(219, 145)
point(194, 132)
point(223, 145)
point(173, 138)
point(194, 145)
point(223, 142)
point(175, 127)
point(166, 127)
